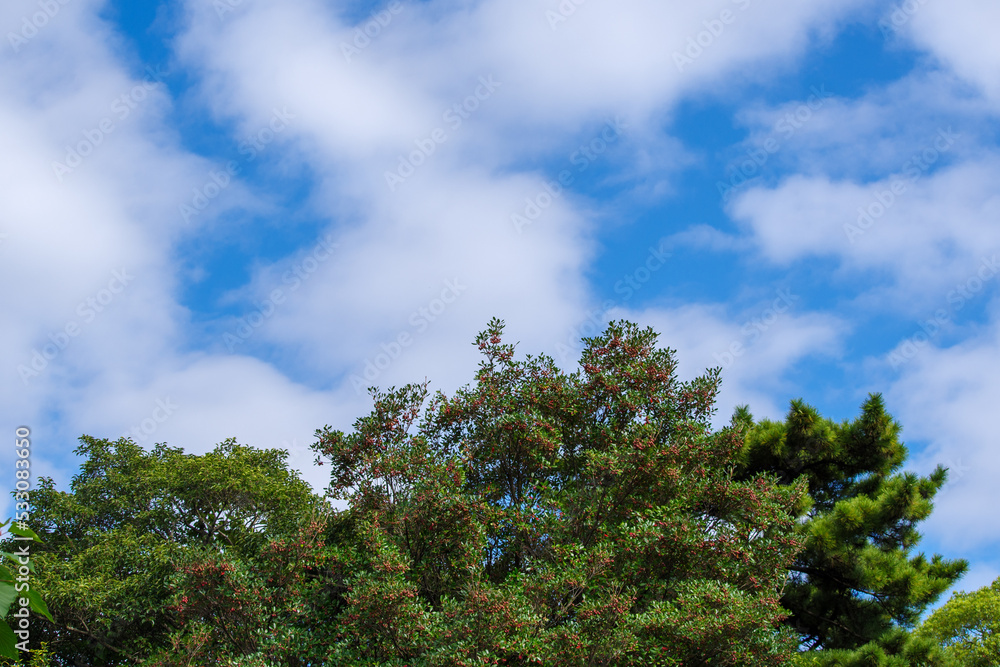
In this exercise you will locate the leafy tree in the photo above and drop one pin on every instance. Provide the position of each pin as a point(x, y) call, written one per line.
point(539, 517)
point(534, 517)
point(14, 590)
point(124, 543)
point(857, 588)
point(968, 626)
point(39, 657)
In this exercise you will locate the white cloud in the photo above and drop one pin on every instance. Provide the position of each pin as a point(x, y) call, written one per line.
point(946, 397)
point(92, 319)
point(927, 231)
point(865, 137)
point(198, 402)
point(355, 116)
point(348, 122)
point(896, 185)
point(961, 34)
point(292, 53)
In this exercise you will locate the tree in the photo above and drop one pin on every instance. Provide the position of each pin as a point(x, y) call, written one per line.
point(139, 531)
point(856, 589)
point(968, 626)
point(16, 591)
point(534, 517)
point(539, 517)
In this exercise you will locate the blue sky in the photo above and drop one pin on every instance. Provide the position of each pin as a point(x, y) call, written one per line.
point(218, 216)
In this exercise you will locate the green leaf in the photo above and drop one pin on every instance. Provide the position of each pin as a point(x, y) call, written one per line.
point(31, 565)
point(7, 642)
point(38, 605)
point(7, 596)
point(25, 532)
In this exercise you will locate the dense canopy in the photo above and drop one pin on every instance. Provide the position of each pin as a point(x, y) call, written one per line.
point(536, 516)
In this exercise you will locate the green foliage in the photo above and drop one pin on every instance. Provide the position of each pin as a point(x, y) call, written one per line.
point(539, 517)
point(135, 521)
point(14, 589)
point(895, 648)
point(227, 496)
point(40, 657)
point(856, 588)
point(535, 517)
point(968, 626)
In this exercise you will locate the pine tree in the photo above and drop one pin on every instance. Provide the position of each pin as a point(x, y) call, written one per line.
point(856, 589)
